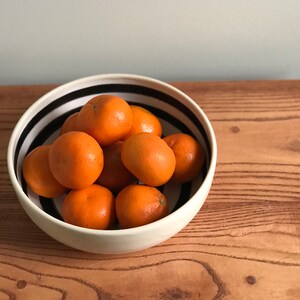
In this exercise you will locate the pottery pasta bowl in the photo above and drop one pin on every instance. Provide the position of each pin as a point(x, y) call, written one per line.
point(41, 123)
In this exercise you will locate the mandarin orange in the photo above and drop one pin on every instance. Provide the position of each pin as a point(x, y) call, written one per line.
point(138, 205)
point(143, 121)
point(189, 156)
point(37, 174)
point(92, 207)
point(149, 158)
point(76, 159)
point(70, 124)
point(114, 175)
point(107, 118)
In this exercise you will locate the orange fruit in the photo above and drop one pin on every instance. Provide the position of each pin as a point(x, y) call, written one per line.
point(107, 118)
point(189, 156)
point(114, 175)
point(70, 124)
point(143, 121)
point(37, 174)
point(91, 207)
point(138, 205)
point(149, 158)
point(76, 159)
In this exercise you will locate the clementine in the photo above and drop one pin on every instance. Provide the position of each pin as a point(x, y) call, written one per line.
point(76, 159)
point(189, 156)
point(143, 121)
point(114, 175)
point(70, 124)
point(91, 207)
point(37, 174)
point(107, 118)
point(138, 205)
point(149, 158)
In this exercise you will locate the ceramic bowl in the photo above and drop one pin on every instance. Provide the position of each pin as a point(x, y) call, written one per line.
point(178, 113)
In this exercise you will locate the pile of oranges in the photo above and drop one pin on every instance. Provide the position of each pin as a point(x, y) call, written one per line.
point(108, 161)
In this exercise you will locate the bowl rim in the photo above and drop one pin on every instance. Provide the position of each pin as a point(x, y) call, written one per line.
point(112, 232)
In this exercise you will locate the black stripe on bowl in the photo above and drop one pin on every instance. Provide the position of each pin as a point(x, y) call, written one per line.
point(185, 194)
point(47, 204)
point(49, 207)
point(47, 131)
point(185, 190)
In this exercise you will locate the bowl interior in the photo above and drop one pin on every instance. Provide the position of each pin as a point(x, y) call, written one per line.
point(41, 124)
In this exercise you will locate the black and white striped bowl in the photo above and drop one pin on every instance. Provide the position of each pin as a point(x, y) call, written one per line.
point(178, 113)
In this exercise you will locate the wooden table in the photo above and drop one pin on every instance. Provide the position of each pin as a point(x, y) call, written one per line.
point(243, 244)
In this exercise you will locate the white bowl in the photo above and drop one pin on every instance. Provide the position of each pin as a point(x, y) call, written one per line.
point(177, 112)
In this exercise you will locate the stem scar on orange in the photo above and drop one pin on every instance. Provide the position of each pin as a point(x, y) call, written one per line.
point(76, 159)
point(149, 158)
point(107, 118)
point(143, 121)
point(92, 207)
point(38, 176)
point(114, 175)
point(138, 205)
point(189, 156)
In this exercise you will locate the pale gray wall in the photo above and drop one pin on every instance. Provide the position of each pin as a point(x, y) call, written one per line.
point(57, 41)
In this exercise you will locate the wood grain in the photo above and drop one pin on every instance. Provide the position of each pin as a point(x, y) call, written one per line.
point(243, 244)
